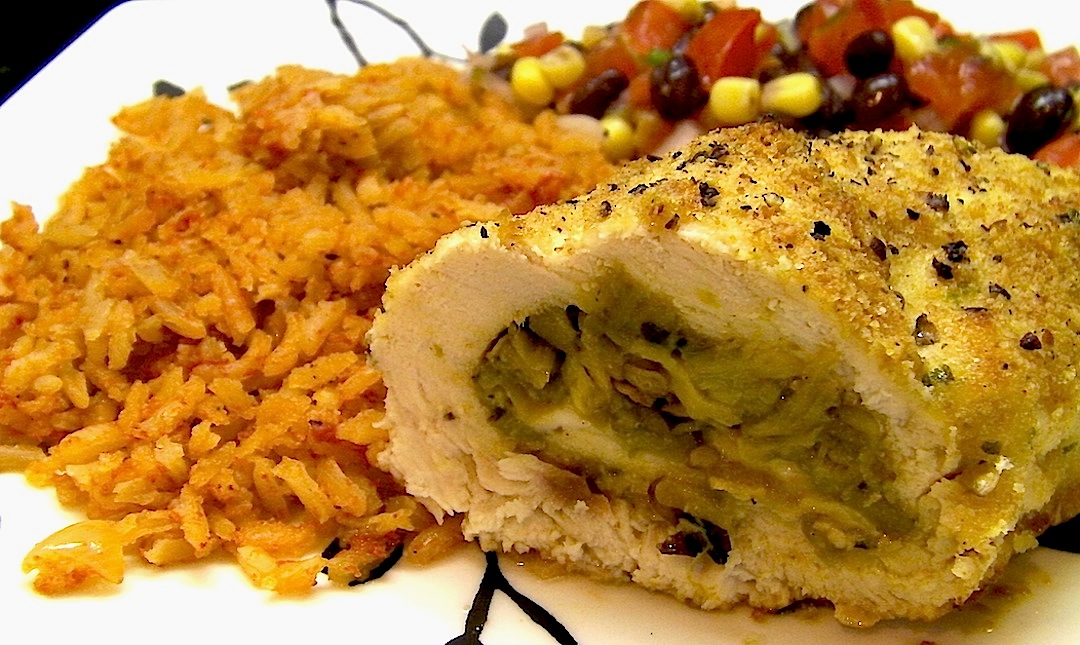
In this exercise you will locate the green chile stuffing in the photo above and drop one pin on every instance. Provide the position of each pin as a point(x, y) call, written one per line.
point(622, 391)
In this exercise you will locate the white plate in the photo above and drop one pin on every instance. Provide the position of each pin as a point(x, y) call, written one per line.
point(59, 122)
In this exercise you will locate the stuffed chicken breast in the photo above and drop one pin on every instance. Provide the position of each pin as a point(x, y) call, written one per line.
point(762, 368)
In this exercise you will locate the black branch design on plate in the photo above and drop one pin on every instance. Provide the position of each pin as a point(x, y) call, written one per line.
point(492, 32)
point(493, 581)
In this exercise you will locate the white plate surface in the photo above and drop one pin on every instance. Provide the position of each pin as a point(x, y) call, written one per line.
point(58, 123)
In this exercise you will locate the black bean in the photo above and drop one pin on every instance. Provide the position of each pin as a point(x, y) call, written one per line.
point(598, 93)
point(869, 53)
point(878, 97)
point(675, 88)
point(795, 61)
point(1039, 116)
point(834, 115)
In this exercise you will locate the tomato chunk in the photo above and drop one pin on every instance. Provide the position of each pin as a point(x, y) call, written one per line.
point(611, 53)
point(1063, 66)
point(539, 44)
point(827, 43)
point(1027, 38)
point(1063, 151)
point(725, 45)
point(829, 26)
point(957, 82)
point(652, 26)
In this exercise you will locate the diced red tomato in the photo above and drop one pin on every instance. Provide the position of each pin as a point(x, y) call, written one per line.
point(611, 53)
point(1063, 66)
point(539, 44)
point(652, 26)
point(639, 92)
point(957, 82)
point(829, 26)
point(893, 10)
point(827, 42)
point(1028, 38)
point(725, 45)
point(949, 85)
point(813, 16)
point(1063, 151)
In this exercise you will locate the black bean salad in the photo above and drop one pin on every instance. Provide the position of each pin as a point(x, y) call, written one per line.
point(675, 65)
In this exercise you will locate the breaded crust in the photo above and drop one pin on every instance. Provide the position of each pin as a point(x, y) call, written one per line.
point(940, 274)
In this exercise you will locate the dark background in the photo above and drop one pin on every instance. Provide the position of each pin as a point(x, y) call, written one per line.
point(32, 33)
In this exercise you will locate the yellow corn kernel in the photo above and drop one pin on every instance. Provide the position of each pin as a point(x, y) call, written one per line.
point(762, 31)
point(528, 82)
point(1034, 58)
point(1029, 79)
point(593, 35)
point(735, 100)
point(798, 94)
point(503, 51)
point(913, 38)
point(563, 66)
point(987, 127)
point(1010, 54)
point(692, 11)
point(618, 137)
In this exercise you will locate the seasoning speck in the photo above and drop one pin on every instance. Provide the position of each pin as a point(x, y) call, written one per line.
point(938, 202)
point(1030, 341)
point(879, 248)
point(944, 271)
point(1070, 216)
point(708, 195)
point(955, 251)
point(913, 214)
point(998, 290)
point(821, 230)
point(925, 332)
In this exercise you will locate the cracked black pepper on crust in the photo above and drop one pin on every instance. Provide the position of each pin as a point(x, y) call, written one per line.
point(954, 332)
point(1008, 231)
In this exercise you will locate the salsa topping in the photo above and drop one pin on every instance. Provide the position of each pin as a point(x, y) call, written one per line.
point(670, 67)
